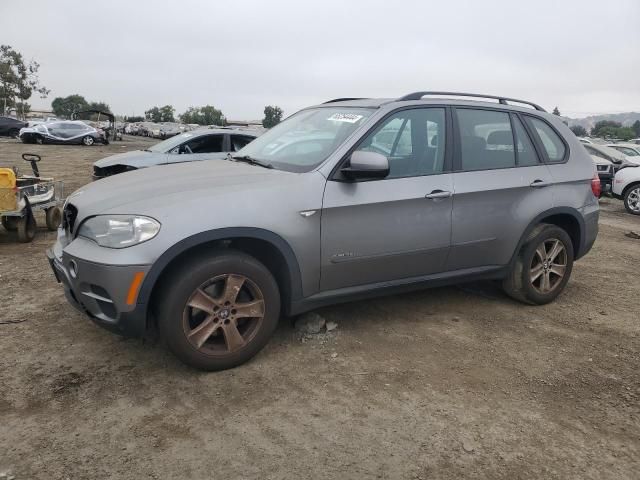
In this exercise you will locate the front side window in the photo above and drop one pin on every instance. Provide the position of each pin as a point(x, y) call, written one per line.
point(205, 144)
point(410, 139)
point(486, 139)
point(307, 138)
point(551, 142)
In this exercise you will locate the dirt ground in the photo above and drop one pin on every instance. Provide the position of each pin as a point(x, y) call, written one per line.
point(451, 383)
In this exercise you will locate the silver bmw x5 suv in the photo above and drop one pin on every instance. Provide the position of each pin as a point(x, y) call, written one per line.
point(341, 201)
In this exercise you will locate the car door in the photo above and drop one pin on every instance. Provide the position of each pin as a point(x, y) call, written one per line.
point(498, 189)
point(202, 147)
point(398, 227)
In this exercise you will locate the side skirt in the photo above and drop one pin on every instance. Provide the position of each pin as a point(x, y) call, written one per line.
point(360, 292)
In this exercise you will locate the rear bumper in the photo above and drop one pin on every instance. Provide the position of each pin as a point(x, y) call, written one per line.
point(591, 215)
point(100, 292)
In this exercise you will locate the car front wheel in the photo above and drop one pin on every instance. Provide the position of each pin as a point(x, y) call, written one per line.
point(542, 267)
point(632, 199)
point(88, 140)
point(217, 311)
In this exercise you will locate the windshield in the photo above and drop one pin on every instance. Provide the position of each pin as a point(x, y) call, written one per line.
point(306, 139)
point(170, 143)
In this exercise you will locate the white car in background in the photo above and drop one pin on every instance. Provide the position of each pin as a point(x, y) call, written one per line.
point(629, 149)
point(626, 187)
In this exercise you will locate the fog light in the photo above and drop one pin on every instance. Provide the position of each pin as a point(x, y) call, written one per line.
point(73, 268)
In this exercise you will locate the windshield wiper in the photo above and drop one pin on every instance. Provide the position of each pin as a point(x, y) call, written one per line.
point(250, 160)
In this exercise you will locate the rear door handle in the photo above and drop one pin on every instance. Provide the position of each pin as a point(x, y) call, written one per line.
point(539, 184)
point(438, 194)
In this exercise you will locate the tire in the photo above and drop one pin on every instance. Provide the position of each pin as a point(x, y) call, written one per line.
point(88, 140)
point(632, 199)
point(26, 228)
point(10, 224)
point(180, 325)
point(53, 216)
point(14, 132)
point(529, 263)
point(39, 139)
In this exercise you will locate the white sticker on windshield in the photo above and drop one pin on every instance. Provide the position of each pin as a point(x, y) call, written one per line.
point(345, 117)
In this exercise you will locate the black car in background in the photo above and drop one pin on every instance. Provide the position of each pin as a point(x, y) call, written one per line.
point(10, 127)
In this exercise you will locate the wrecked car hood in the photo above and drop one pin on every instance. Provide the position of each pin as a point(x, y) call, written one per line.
point(137, 158)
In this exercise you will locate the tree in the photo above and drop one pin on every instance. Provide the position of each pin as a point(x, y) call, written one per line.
point(636, 127)
point(605, 128)
point(579, 131)
point(18, 80)
point(625, 133)
point(556, 111)
point(207, 115)
point(160, 114)
point(103, 107)
point(272, 116)
point(65, 107)
point(134, 119)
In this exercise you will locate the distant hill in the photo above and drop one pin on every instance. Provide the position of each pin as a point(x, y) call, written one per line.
point(626, 119)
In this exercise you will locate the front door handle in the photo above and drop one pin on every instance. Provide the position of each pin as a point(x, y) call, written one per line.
point(438, 194)
point(539, 184)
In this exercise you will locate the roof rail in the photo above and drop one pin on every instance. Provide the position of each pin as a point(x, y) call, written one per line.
point(345, 99)
point(501, 100)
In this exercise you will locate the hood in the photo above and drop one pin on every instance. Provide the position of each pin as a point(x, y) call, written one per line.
point(166, 186)
point(136, 158)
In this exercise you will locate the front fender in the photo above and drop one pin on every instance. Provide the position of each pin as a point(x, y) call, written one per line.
point(182, 246)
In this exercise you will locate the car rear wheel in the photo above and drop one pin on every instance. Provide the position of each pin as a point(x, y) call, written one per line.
point(26, 228)
point(218, 311)
point(14, 132)
point(88, 140)
point(542, 267)
point(632, 199)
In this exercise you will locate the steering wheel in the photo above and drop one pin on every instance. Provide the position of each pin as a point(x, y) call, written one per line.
point(30, 157)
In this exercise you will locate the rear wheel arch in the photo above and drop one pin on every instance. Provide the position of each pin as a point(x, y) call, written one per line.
point(569, 219)
point(267, 247)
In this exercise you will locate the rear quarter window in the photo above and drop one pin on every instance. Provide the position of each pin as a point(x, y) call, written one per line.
point(551, 141)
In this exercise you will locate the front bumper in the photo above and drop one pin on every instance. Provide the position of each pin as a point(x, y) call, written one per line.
point(102, 292)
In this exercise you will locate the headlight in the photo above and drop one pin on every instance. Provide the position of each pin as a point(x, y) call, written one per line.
point(119, 231)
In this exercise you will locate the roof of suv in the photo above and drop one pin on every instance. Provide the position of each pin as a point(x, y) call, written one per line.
point(438, 98)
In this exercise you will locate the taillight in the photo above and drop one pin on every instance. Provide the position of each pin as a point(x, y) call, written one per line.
point(596, 188)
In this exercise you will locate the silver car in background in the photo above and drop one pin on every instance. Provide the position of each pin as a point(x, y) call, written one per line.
point(197, 145)
point(341, 201)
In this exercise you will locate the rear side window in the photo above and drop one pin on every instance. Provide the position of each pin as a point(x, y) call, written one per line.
point(486, 139)
point(551, 142)
point(526, 154)
point(239, 141)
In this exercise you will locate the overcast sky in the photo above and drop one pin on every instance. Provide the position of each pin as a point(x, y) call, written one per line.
point(581, 55)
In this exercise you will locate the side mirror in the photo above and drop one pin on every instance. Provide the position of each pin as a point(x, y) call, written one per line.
point(366, 165)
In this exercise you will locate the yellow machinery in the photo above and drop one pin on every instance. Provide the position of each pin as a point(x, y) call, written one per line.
point(22, 195)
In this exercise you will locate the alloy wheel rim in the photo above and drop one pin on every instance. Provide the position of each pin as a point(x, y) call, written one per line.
point(633, 200)
point(223, 315)
point(88, 140)
point(548, 266)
